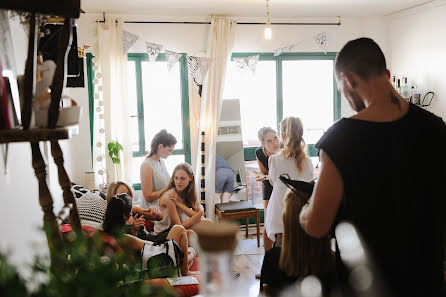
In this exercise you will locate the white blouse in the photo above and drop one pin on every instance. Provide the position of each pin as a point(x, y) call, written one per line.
point(276, 206)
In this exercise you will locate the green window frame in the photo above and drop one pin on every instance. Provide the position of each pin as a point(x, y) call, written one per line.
point(312, 151)
point(138, 58)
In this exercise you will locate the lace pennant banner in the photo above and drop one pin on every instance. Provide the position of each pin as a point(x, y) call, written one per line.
point(285, 49)
point(172, 58)
point(153, 50)
point(198, 68)
point(321, 41)
point(249, 62)
point(128, 39)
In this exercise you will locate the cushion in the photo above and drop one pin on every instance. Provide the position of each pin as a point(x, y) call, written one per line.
point(235, 206)
point(79, 191)
point(91, 208)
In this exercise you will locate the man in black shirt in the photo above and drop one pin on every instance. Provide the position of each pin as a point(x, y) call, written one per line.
point(384, 170)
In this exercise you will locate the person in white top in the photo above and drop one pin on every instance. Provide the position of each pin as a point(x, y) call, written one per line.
point(153, 172)
point(179, 196)
point(291, 160)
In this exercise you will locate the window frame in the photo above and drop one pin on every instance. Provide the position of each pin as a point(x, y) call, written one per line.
point(138, 58)
point(249, 152)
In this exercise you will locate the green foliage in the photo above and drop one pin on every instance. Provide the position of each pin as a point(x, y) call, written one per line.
point(114, 147)
point(82, 267)
point(11, 284)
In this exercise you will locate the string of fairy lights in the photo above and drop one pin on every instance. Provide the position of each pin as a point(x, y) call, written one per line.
point(98, 97)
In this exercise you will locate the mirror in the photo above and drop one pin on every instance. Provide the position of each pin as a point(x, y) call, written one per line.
point(230, 159)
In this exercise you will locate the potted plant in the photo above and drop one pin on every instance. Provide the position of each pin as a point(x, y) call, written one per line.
point(114, 147)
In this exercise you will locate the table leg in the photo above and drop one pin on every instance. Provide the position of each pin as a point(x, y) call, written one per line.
point(46, 201)
point(65, 184)
point(258, 227)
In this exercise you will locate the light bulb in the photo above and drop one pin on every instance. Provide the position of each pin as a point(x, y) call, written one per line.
point(268, 33)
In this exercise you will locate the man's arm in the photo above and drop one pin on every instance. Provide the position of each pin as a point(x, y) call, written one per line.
point(317, 217)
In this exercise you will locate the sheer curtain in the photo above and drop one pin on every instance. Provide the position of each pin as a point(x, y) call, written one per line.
point(220, 43)
point(112, 63)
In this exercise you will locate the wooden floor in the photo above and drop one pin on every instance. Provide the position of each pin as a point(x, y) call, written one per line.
point(247, 260)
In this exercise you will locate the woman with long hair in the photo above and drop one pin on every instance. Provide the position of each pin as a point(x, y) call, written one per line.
point(300, 255)
point(118, 187)
point(153, 172)
point(269, 145)
point(179, 202)
point(119, 212)
point(291, 160)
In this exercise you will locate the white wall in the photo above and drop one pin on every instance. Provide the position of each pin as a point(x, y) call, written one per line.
point(21, 217)
point(192, 39)
point(418, 46)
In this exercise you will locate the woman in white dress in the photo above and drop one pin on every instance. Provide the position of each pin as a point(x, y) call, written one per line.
point(291, 160)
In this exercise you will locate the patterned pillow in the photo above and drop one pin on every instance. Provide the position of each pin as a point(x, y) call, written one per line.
point(79, 190)
point(91, 208)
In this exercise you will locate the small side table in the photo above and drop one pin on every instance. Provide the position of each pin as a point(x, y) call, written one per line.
point(239, 210)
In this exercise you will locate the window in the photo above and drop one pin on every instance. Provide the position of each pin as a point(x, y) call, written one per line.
point(297, 84)
point(158, 99)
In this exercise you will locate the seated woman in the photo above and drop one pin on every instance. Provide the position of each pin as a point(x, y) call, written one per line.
point(117, 187)
point(136, 224)
point(179, 202)
point(300, 254)
point(118, 213)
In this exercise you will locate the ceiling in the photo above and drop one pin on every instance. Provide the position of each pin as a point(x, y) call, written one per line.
point(251, 8)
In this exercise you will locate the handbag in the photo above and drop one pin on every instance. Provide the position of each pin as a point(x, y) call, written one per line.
point(162, 261)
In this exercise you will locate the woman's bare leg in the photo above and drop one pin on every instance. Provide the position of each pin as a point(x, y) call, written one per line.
point(267, 243)
point(179, 234)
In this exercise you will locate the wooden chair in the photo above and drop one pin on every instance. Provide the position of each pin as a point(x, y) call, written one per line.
point(239, 210)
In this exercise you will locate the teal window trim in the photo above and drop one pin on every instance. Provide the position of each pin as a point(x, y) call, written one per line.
point(138, 58)
point(90, 76)
point(312, 151)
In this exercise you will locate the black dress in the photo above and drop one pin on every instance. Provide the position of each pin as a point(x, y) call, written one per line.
point(266, 185)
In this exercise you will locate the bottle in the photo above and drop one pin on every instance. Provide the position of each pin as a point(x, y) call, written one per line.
point(216, 244)
point(405, 92)
point(416, 96)
point(398, 86)
point(394, 82)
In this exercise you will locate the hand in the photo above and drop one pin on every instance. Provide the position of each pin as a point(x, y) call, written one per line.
point(152, 213)
point(137, 222)
point(258, 176)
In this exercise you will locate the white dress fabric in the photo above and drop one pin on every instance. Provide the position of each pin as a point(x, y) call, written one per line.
point(276, 206)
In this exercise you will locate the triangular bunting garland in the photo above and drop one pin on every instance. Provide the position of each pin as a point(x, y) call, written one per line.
point(249, 62)
point(198, 68)
point(172, 58)
point(128, 39)
point(153, 50)
point(285, 49)
point(321, 41)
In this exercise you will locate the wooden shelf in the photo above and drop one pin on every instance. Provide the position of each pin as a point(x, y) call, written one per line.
point(37, 134)
point(68, 8)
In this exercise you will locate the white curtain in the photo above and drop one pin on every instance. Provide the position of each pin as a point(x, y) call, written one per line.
point(112, 63)
point(220, 43)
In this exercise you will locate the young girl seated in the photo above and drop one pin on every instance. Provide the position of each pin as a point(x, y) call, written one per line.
point(300, 254)
point(178, 201)
point(119, 212)
point(117, 187)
